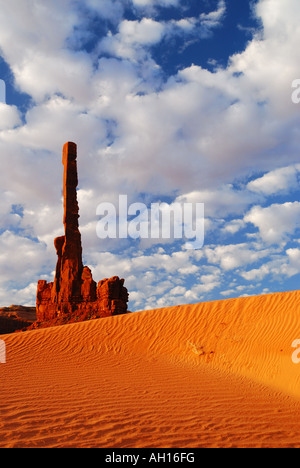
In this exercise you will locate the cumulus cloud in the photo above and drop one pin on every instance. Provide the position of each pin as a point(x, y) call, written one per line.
point(22, 260)
point(27, 30)
point(63, 73)
point(220, 202)
point(276, 45)
point(144, 32)
point(132, 37)
point(284, 265)
point(234, 256)
point(234, 226)
point(213, 18)
point(282, 179)
point(9, 117)
point(135, 37)
point(276, 223)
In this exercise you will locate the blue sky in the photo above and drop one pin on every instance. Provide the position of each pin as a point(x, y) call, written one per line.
point(171, 100)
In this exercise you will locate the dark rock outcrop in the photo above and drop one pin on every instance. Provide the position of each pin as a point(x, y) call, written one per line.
point(15, 318)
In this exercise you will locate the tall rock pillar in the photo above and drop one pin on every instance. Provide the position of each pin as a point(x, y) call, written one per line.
point(74, 294)
point(67, 283)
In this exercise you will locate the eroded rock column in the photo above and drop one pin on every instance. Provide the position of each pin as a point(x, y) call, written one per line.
point(67, 282)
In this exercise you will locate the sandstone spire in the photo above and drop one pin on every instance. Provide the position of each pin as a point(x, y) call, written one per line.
point(74, 292)
point(69, 269)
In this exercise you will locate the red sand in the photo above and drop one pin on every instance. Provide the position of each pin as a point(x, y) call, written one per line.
point(217, 374)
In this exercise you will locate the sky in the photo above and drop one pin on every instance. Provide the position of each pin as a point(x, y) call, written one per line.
point(169, 101)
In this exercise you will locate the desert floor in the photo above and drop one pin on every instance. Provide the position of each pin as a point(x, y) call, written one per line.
point(217, 374)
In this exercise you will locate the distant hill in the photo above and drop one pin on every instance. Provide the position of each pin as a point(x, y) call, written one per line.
point(15, 318)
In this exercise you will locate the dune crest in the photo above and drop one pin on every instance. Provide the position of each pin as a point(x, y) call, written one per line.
point(212, 374)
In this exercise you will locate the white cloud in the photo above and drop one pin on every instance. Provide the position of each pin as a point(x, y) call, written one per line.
point(277, 222)
point(294, 257)
point(281, 266)
point(176, 128)
point(24, 296)
point(233, 256)
point(214, 17)
point(62, 72)
point(144, 32)
point(22, 260)
point(228, 292)
point(178, 291)
point(63, 118)
point(9, 117)
point(234, 226)
point(277, 47)
point(30, 29)
point(283, 179)
point(220, 202)
point(256, 274)
point(134, 37)
point(194, 294)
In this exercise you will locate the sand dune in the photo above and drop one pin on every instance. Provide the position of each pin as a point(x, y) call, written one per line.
point(217, 374)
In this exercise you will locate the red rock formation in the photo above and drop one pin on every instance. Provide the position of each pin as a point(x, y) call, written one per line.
point(112, 295)
point(88, 286)
point(74, 293)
